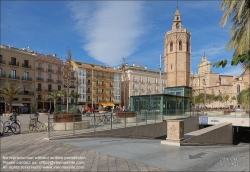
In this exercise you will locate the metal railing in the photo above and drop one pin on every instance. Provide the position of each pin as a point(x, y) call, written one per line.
point(26, 65)
point(73, 124)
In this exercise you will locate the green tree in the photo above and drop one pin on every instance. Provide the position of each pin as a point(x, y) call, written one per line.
point(75, 95)
point(239, 31)
point(54, 96)
point(68, 76)
point(243, 98)
point(226, 98)
point(10, 93)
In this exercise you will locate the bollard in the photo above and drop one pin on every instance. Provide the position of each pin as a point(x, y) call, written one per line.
point(74, 125)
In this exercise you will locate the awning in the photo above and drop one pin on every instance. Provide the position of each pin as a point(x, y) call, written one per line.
point(108, 104)
point(27, 88)
point(16, 104)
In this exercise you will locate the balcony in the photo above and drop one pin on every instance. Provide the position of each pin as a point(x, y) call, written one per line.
point(39, 79)
point(50, 80)
point(39, 98)
point(26, 93)
point(50, 70)
point(59, 81)
point(14, 63)
point(58, 71)
point(38, 89)
point(89, 75)
point(88, 91)
point(26, 79)
point(26, 65)
point(50, 90)
point(39, 68)
point(88, 100)
point(2, 75)
point(89, 83)
point(13, 77)
point(2, 61)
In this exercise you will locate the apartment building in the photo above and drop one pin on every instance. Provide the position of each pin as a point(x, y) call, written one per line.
point(17, 67)
point(138, 80)
point(97, 85)
point(48, 71)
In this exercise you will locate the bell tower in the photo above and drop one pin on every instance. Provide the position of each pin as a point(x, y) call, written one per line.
point(177, 53)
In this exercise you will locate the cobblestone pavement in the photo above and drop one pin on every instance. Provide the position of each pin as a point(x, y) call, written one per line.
point(26, 147)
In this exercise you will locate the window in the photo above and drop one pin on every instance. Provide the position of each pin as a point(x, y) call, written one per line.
point(50, 87)
point(140, 79)
point(238, 88)
point(156, 81)
point(134, 79)
point(13, 73)
point(133, 86)
point(177, 18)
point(13, 60)
point(171, 46)
point(147, 80)
point(39, 85)
point(39, 65)
point(49, 76)
point(180, 45)
point(26, 75)
point(26, 63)
point(177, 25)
point(140, 86)
point(49, 67)
point(147, 87)
point(59, 87)
point(1, 72)
point(39, 75)
point(156, 88)
point(59, 68)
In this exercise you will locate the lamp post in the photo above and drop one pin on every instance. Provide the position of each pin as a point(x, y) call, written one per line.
point(161, 60)
point(124, 73)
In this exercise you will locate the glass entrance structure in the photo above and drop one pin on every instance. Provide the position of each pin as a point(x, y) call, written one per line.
point(174, 103)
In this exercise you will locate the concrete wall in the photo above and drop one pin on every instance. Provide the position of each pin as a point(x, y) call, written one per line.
point(149, 130)
point(212, 135)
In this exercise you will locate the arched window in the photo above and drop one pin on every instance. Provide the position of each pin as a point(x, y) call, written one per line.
point(238, 88)
point(171, 46)
point(187, 46)
point(177, 18)
point(180, 45)
point(177, 25)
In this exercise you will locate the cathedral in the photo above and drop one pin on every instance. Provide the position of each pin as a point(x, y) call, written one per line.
point(177, 61)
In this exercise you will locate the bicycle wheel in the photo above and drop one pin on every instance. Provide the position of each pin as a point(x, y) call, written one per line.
point(35, 126)
point(6, 126)
point(106, 120)
point(15, 128)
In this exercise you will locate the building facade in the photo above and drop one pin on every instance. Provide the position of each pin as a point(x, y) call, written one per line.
point(97, 85)
point(48, 71)
point(138, 80)
point(207, 82)
point(17, 67)
point(177, 48)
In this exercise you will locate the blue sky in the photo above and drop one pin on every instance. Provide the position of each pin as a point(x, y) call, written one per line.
point(103, 32)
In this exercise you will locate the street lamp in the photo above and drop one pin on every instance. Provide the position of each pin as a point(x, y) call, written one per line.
point(161, 60)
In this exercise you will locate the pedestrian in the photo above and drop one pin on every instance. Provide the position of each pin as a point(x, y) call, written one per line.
point(83, 109)
point(92, 109)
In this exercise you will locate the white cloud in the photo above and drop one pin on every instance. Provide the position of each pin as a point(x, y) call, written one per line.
point(209, 51)
point(109, 30)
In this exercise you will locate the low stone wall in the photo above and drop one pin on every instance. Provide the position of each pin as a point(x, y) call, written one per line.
point(122, 114)
point(211, 135)
point(67, 118)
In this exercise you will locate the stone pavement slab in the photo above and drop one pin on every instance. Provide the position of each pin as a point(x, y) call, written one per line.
point(29, 147)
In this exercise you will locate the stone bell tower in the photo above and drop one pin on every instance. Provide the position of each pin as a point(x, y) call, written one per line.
point(177, 48)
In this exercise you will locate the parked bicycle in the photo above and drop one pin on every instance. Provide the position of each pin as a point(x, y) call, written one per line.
point(13, 124)
point(103, 118)
point(34, 124)
point(1, 128)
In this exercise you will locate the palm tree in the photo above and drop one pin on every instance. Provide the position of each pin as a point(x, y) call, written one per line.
point(239, 31)
point(54, 96)
point(240, 10)
point(75, 95)
point(10, 93)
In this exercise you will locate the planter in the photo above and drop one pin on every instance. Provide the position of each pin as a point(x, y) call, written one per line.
point(122, 114)
point(67, 118)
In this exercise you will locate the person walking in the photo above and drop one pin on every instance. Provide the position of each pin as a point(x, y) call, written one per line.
point(92, 109)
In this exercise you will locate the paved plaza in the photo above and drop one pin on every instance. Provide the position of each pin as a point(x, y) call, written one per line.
point(32, 152)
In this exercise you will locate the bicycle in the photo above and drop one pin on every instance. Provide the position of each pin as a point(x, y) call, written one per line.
point(35, 125)
point(13, 124)
point(1, 128)
point(103, 118)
